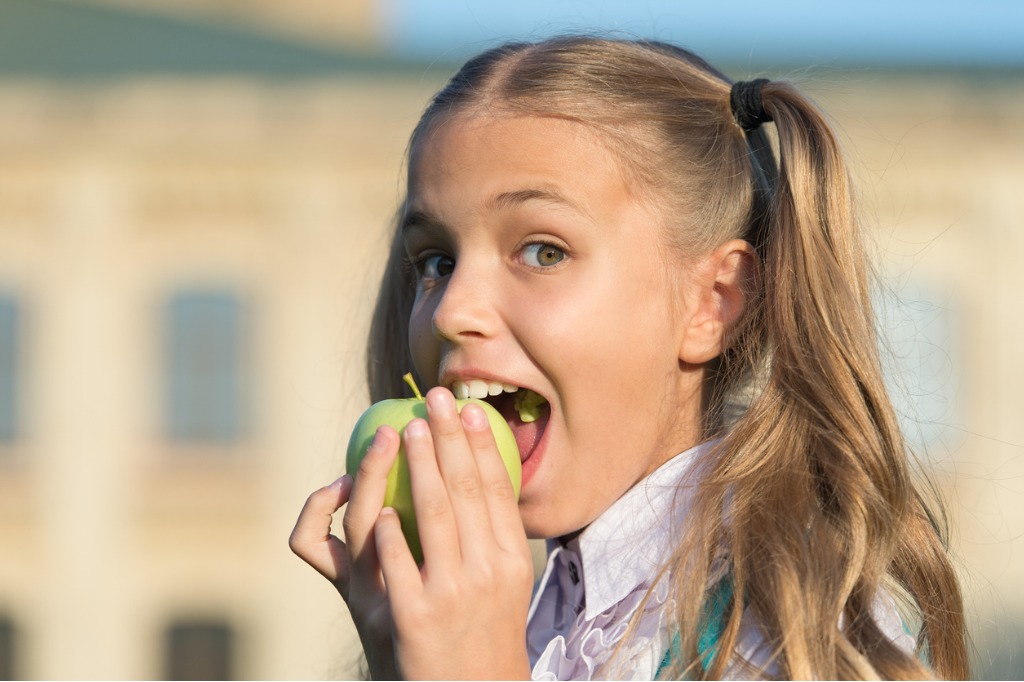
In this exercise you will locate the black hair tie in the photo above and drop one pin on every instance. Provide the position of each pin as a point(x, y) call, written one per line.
point(745, 102)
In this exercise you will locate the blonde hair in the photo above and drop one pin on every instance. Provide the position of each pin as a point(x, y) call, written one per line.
point(810, 494)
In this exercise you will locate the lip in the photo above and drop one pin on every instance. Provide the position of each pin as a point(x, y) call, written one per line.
point(449, 377)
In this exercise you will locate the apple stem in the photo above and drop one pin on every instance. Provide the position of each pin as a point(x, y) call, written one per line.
point(412, 384)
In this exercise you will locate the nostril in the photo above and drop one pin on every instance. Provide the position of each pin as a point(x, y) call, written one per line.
point(452, 330)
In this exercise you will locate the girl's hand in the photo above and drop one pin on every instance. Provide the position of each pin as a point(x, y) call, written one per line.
point(352, 566)
point(463, 613)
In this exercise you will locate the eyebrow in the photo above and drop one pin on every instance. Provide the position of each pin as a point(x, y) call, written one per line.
point(420, 220)
point(501, 202)
point(514, 199)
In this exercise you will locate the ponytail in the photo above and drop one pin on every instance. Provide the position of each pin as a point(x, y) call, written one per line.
point(822, 509)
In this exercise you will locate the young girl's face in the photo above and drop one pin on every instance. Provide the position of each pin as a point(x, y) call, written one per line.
point(538, 267)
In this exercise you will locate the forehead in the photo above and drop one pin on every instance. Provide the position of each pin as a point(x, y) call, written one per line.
point(501, 152)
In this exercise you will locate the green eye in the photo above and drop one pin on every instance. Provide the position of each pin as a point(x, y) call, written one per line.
point(542, 255)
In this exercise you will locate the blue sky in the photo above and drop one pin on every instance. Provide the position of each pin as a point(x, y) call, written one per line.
point(763, 33)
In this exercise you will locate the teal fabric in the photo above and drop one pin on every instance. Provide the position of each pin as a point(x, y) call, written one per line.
point(713, 624)
point(711, 627)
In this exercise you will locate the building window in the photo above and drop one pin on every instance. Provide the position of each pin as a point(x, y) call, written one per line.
point(199, 650)
point(9, 369)
point(206, 367)
point(8, 664)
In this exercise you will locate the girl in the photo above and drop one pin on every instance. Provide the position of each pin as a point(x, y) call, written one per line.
point(602, 227)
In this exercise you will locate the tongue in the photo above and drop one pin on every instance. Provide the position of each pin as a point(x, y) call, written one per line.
point(528, 435)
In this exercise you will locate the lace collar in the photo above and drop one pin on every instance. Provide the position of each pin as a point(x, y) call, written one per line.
point(627, 545)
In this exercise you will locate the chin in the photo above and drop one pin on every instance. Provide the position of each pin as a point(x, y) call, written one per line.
point(540, 523)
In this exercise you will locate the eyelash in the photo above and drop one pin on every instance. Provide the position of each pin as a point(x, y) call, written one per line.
point(410, 268)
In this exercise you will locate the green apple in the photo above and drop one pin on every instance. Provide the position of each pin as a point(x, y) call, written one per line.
point(397, 413)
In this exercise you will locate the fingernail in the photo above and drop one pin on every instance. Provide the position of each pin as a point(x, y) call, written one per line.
point(474, 418)
point(379, 439)
point(440, 400)
point(417, 428)
point(339, 483)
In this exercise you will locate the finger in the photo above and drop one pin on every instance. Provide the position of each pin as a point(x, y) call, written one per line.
point(458, 464)
point(503, 507)
point(368, 495)
point(311, 538)
point(439, 539)
point(401, 574)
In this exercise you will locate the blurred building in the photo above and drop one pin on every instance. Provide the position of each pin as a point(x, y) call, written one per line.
point(193, 211)
point(337, 23)
point(190, 216)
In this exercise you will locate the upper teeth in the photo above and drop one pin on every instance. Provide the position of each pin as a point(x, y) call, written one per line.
point(477, 388)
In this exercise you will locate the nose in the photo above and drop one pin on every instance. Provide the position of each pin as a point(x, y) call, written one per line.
point(466, 308)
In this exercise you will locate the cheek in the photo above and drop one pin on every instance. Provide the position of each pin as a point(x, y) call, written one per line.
point(600, 324)
point(613, 341)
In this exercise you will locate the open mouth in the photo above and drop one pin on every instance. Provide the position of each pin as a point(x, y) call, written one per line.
point(526, 411)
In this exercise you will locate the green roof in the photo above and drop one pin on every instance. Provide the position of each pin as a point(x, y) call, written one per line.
point(62, 39)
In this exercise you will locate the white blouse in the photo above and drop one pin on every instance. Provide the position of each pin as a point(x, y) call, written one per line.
point(593, 585)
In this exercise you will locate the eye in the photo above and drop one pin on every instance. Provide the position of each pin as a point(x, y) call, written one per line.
point(542, 255)
point(435, 266)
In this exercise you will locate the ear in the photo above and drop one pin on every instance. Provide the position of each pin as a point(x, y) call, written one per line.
point(720, 291)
